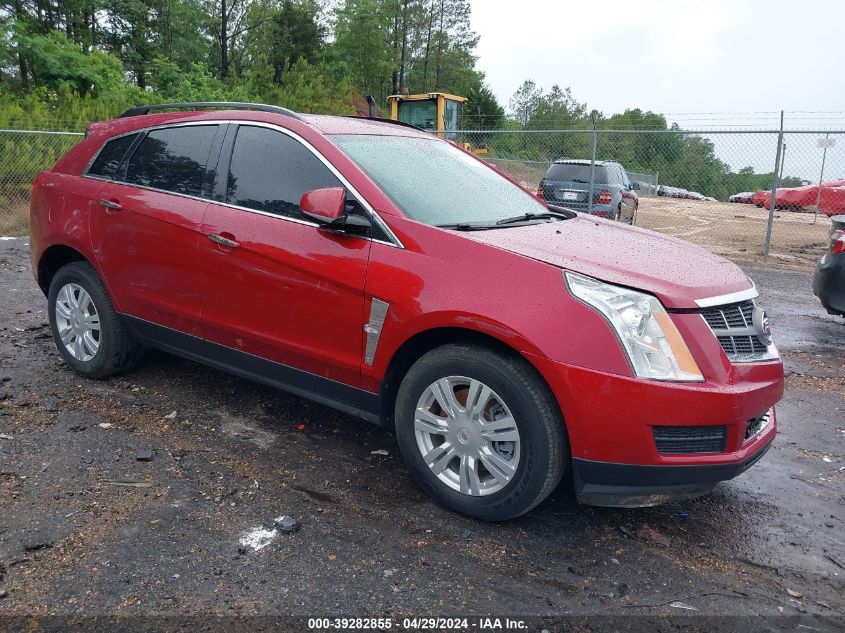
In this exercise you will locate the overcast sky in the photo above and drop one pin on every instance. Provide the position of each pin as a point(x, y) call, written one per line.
point(669, 56)
point(705, 64)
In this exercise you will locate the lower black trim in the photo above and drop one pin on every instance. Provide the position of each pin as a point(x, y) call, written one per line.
point(328, 392)
point(633, 485)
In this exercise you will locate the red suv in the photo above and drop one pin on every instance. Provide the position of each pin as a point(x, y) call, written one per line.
point(385, 272)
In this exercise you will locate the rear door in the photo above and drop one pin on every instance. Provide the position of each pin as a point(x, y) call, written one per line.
point(146, 222)
point(278, 287)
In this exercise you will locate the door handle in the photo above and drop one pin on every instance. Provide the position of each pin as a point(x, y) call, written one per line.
point(219, 239)
point(111, 204)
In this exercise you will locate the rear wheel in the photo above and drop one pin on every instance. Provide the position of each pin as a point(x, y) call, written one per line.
point(480, 432)
point(89, 334)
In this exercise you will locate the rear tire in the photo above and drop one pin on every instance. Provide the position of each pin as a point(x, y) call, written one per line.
point(527, 462)
point(88, 332)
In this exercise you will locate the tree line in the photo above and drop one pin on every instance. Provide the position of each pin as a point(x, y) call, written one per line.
point(64, 63)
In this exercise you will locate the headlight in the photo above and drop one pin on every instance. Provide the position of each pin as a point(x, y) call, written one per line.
point(650, 339)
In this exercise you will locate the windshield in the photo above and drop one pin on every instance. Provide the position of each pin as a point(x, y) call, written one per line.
point(436, 183)
point(420, 113)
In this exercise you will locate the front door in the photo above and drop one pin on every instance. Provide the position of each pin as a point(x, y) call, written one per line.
point(273, 284)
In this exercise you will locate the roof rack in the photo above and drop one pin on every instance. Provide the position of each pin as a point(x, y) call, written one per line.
point(195, 105)
point(381, 120)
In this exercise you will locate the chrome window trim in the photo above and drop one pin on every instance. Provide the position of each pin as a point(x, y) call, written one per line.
point(733, 297)
point(396, 242)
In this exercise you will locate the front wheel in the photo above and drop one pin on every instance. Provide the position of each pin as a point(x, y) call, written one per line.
point(634, 215)
point(480, 432)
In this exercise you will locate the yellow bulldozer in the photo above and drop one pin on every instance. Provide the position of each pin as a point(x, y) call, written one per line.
point(438, 112)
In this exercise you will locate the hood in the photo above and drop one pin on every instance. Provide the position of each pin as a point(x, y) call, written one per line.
point(677, 272)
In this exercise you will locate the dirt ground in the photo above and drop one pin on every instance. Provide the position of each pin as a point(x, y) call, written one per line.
point(89, 531)
point(738, 231)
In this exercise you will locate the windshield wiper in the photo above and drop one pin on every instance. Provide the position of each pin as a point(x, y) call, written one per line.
point(467, 226)
point(561, 214)
point(526, 217)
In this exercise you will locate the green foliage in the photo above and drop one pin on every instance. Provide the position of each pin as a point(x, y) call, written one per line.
point(64, 63)
point(57, 63)
point(362, 45)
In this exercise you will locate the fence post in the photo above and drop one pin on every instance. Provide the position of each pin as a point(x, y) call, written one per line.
point(821, 177)
point(775, 186)
point(592, 169)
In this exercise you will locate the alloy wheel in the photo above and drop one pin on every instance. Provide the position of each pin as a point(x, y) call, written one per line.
point(467, 435)
point(77, 322)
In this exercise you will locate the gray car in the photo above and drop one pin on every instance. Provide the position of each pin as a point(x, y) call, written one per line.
point(567, 184)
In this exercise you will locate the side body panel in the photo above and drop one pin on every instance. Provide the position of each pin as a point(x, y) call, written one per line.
point(148, 250)
point(289, 292)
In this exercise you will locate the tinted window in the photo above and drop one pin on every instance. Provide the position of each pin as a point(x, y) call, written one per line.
point(575, 172)
point(173, 159)
point(270, 171)
point(110, 156)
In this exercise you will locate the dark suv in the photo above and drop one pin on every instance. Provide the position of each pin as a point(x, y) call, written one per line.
point(567, 182)
point(829, 282)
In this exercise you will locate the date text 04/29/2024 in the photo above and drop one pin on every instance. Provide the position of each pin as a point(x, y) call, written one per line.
point(417, 624)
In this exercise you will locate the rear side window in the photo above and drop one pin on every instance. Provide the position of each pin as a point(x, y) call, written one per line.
point(172, 159)
point(110, 157)
point(575, 172)
point(270, 171)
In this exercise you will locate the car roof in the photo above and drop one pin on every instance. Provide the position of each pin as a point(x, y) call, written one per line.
point(324, 124)
point(581, 161)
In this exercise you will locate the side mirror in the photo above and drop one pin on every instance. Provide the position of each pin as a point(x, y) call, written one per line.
point(327, 207)
point(324, 206)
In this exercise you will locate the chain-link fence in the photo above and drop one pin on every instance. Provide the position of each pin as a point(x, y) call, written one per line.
point(23, 153)
point(711, 187)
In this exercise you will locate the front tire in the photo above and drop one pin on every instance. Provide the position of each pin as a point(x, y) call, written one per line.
point(88, 332)
point(634, 215)
point(480, 432)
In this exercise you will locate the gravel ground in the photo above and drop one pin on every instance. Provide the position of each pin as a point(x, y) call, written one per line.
point(738, 231)
point(88, 530)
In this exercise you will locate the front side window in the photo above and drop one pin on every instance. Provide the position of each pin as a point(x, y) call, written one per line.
point(452, 115)
point(270, 171)
point(434, 182)
point(110, 157)
point(173, 159)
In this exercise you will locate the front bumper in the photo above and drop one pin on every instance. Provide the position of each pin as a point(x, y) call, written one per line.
point(600, 483)
point(611, 419)
point(829, 283)
point(603, 210)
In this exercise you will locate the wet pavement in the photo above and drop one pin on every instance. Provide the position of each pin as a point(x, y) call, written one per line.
point(88, 529)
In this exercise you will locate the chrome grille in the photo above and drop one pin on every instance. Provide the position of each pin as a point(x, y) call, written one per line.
point(738, 334)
